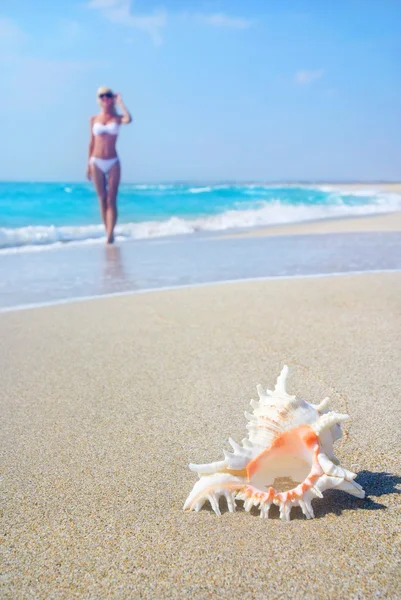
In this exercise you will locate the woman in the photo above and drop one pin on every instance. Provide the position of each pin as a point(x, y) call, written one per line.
point(104, 164)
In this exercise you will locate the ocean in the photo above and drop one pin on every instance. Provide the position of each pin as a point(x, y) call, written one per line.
point(34, 215)
point(52, 246)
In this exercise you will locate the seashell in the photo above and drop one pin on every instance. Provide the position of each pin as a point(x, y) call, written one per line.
point(287, 458)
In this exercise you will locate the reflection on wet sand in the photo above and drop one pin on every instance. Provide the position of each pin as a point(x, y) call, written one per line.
point(114, 276)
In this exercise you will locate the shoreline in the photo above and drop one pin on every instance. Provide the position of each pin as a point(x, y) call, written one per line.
point(374, 223)
point(379, 186)
point(244, 280)
point(76, 272)
point(309, 249)
point(351, 186)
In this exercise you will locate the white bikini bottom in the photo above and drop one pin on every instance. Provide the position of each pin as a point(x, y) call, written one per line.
point(104, 164)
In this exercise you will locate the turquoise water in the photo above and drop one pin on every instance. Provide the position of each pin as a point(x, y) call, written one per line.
point(44, 214)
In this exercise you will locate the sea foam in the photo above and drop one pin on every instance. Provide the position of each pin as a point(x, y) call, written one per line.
point(262, 213)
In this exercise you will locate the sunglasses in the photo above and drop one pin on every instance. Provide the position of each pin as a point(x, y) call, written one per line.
point(108, 95)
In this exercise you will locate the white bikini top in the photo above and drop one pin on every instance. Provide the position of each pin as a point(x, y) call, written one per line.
point(111, 128)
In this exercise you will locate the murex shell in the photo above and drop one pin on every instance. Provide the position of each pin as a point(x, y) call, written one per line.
point(287, 458)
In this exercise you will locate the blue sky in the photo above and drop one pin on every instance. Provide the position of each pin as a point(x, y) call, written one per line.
point(219, 89)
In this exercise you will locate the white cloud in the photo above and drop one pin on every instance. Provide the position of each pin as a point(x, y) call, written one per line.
point(223, 20)
point(119, 11)
point(305, 77)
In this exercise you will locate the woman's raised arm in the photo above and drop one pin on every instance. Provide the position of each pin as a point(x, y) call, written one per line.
point(126, 118)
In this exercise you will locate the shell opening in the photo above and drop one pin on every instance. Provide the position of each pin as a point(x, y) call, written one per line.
point(289, 461)
point(282, 473)
point(283, 484)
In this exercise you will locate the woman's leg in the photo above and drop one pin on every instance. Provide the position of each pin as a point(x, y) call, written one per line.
point(111, 201)
point(99, 181)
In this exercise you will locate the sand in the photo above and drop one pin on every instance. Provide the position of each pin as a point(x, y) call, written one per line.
point(375, 186)
point(374, 223)
point(104, 402)
point(394, 187)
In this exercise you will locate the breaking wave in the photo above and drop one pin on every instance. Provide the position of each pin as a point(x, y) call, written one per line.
point(273, 212)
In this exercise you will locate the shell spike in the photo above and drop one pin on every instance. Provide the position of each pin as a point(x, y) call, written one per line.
point(250, 418)
point(280, 387)
point(321, 408)
point(328, 420)
point(230, 498)
point(214, 503)
point(285, 511)
point(208, 468)
point(236, 447)
point(261, 393)
point(317, 492)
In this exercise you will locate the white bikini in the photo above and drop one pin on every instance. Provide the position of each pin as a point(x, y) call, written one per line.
point(111, 128)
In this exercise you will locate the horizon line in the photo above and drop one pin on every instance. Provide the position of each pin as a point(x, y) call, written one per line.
point(222, 181)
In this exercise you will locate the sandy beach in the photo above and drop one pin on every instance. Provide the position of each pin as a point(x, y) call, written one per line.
point(351, 186)
point(105, 402)
point(394, 187)
point(370, 224)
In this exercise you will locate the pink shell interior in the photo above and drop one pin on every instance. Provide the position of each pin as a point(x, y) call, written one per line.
point(300, 444)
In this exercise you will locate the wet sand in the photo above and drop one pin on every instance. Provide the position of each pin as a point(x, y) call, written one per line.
point(104, 403)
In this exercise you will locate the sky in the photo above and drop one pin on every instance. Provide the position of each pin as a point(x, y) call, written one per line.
point(218, 89)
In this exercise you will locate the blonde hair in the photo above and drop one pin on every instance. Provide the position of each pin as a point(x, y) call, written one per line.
point(104, 89)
